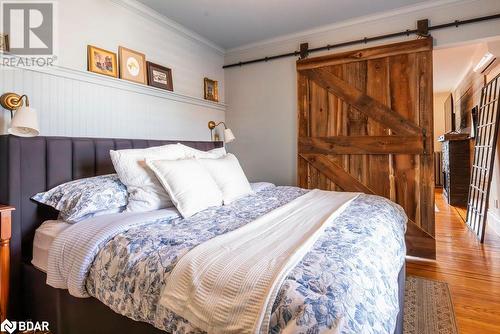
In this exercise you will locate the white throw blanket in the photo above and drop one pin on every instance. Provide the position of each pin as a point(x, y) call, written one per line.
point(73, 251)
point(229, 283)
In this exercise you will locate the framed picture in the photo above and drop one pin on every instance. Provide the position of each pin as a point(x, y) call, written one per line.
point(132, 65)
point(160, 76)
point(4, 43)
point(102, 61)
point(211, 90)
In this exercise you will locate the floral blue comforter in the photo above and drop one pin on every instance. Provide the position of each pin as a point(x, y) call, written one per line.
point(346, 284)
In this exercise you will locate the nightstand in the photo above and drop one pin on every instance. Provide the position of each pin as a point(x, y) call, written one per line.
point(5, 232)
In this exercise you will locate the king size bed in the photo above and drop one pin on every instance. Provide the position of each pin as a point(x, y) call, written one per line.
point(119, 272)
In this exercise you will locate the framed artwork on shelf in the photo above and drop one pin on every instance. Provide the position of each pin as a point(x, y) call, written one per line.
point(211, 90)
point(132, 65)
point(159, 76)
point(101, 61)
point(4, 43)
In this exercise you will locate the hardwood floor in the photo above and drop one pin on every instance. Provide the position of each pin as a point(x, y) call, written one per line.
point(471, 269)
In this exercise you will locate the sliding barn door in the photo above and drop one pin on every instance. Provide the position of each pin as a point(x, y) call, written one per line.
point(365, 124)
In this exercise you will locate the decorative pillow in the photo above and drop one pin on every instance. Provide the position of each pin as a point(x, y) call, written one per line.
point(229, 176)
point(144, 190)
point(85, 198)
point(189, 185)
point(216, 153)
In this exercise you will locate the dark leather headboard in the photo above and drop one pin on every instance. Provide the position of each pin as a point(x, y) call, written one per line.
point(32, 165)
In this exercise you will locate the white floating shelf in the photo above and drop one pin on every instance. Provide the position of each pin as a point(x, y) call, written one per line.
point(107, 81)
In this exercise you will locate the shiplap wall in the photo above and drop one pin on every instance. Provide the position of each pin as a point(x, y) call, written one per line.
point(73, 102)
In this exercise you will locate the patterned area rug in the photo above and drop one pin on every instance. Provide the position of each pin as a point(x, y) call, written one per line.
point(428, 307)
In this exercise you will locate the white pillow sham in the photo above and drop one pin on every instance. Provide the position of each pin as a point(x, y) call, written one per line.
point(188, 183)
point(229, 177)
point(145, 193)
point(216, 153)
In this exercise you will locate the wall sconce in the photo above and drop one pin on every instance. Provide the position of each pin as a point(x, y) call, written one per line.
point(24, 122)
point(228, 134)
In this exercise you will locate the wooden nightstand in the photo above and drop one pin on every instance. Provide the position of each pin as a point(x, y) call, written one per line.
point(5, 233)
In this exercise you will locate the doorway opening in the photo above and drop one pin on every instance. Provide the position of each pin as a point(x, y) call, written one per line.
point(460, 72)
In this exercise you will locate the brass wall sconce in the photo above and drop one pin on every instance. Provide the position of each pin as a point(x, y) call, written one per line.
point(228, 134)
point(24, 122)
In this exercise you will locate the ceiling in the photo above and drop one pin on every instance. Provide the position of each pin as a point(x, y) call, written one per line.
point(234, 23)
point(450, 66)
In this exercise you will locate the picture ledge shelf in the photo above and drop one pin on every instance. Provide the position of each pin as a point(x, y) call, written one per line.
point(121, 84)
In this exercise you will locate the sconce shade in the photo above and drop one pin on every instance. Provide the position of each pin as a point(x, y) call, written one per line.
point(24, 123)
point(228, 136)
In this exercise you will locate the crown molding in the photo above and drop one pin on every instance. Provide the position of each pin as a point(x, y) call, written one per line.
point(305, 34)
point(154, 16)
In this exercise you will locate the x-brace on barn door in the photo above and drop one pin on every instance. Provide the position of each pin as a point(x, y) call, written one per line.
point(365, 123)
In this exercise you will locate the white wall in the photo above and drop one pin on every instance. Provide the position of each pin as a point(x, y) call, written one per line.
point(493, 217)
point(261, 97)
point(72, 102)
point(439, 123)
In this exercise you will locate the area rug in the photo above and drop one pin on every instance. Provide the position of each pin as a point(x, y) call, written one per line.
point(428, 307)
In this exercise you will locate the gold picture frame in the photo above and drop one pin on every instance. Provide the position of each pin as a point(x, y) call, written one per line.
point(132, 65)
point(101, 61)
point(211, 90)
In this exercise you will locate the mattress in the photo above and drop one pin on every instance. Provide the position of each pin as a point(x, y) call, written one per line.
point(44, 236)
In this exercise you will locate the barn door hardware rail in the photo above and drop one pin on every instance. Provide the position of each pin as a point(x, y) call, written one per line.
point(423, 30)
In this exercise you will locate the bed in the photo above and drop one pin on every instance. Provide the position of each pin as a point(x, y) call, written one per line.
point(32, 165)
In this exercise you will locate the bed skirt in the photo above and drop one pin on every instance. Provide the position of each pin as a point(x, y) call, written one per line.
point(67, 314)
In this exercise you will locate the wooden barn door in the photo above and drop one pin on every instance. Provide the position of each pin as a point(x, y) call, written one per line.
point(365, 124)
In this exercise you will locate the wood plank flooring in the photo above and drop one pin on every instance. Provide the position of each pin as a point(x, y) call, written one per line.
point(471, 269)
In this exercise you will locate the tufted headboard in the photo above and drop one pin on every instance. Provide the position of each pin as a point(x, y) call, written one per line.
point(32, 165)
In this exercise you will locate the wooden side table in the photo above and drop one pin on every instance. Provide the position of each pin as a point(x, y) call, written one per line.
point(5, 233)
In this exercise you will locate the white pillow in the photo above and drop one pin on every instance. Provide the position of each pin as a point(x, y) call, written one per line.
point(229, 176)
point(145, 191)
point(216, 153)
point(189, 185)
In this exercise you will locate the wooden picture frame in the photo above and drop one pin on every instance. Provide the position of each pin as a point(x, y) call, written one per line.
point(159, 76)
point(101, 61)
point(132, 65)
point(211, 90)
point(4, 43)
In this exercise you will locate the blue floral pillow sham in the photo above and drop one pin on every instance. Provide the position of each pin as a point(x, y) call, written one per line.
point(85, 198)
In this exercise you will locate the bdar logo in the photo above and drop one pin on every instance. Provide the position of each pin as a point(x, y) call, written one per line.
point(8, 326)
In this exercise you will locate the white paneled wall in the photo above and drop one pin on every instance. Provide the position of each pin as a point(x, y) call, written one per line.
point(74, 103)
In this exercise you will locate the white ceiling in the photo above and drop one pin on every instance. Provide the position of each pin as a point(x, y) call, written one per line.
point(450, 66)
point(233, 23)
